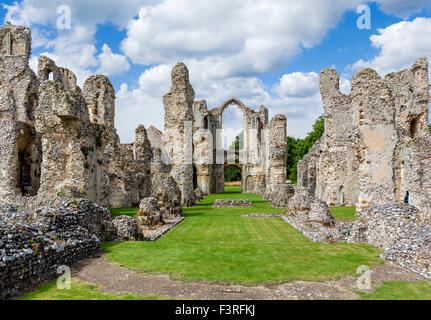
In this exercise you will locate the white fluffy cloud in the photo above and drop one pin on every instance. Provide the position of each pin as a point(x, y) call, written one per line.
point(225, 43)
point(75, 48)
point(111, 63)
point(403, 8)
point(44, 12)
point(298, 84)
point(142, 105)
point(230, 38)
point(399, 46)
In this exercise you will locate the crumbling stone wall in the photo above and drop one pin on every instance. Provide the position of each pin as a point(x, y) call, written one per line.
point(276, 187)
point(19, 143)
point(60, 141)
point(33, 244)
point(252, 156)
point(376, 142)
point(177, 138)
point(205, 164)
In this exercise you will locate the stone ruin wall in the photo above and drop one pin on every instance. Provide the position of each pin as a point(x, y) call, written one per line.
point(261, 174)
point(60, 141)
point(376, 144)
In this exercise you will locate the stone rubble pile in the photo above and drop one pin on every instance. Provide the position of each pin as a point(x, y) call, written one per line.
point(159, 232)
point(314, 219)
point(199, 194)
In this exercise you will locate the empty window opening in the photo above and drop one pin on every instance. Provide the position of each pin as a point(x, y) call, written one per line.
point(206, 124)
point(195, 177)
point(414, 127)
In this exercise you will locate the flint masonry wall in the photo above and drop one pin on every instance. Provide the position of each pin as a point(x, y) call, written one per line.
point(177, 138)
point(260, 172)
point(276, 187)
point(376, 144)
point(59, 141)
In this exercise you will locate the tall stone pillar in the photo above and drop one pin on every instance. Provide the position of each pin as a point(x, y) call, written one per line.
point(178, 136)
point(276, 187)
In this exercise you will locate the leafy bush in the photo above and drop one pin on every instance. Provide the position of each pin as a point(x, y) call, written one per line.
point(298, 148)
point(232, 174)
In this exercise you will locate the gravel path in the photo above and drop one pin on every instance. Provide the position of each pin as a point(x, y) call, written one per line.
point(116, 279)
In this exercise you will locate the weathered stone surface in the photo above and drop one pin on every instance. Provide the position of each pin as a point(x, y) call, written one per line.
point(58, 141)
point(400, 230)
point(149, 215)
point(232, 203)
point(125, 229)
point(34, 244)
point(160, 232)
point(199, 194)
point(314, 219)
point(376, 144)
point(178, 131)
point(276, 188)
point(320, 213)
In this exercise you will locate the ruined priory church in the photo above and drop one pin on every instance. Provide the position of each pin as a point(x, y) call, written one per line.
point(62, 165)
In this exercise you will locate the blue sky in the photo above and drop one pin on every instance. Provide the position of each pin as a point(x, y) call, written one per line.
point(260, 52)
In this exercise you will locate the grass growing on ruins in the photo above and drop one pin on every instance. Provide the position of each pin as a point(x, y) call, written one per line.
point(217, 244)
point(344, 213)
point(80, 291)
point(400, 290)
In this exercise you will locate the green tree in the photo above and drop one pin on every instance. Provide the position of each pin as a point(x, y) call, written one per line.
point(298, 148)
point(239, 141)
point(232, 174)
point(429, 127)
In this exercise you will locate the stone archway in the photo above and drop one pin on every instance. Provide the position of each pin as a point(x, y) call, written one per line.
point(235, 158)
point(254, 122)
point(237, 164)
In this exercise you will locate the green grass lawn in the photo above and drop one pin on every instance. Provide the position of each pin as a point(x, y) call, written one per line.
point(131, 212)
point(80, 291)
point(344, 213)
point(217, 244)
point(399, 290)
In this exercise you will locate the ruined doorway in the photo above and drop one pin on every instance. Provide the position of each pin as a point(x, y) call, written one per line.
point(233, 131)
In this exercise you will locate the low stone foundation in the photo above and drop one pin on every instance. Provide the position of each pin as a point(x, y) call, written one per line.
point(318, 232)
point(160, 232)
point(262, 215)
point(34, 245)
point(232, 203)
point(399, 229)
